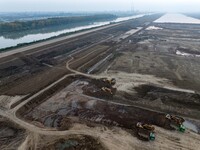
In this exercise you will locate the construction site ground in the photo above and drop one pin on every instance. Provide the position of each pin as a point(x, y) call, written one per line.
point(46, 99)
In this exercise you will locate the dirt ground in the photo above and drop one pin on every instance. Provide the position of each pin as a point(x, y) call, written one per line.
point(7, 101)
point(155, 93)
point(11, 136)
point(154, 53)
point(75, 143)
point(71, 109)
point(114, 138)
point(55, 100)
point(28, 71)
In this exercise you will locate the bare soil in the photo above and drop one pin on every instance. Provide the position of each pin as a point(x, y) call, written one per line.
point(64, 108)
point(11, 136)
point(75, 143)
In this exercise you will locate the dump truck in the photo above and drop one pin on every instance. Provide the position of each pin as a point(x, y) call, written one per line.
point(176, 122)
point(145, 131)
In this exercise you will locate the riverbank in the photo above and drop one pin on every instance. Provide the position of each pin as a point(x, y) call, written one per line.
point(10, 44)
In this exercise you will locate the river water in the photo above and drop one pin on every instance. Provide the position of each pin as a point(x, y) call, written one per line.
point(8, 41)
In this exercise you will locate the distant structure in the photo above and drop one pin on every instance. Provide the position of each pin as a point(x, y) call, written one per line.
point(132, 6)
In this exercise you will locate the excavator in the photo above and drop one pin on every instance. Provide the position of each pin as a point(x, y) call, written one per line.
point(107, 90)
point(105, 82)
point(145, 131)
point(103, 87)
point(107, 86)
point(176, 122)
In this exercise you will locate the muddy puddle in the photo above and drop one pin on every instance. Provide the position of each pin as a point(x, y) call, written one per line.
point(191, 126)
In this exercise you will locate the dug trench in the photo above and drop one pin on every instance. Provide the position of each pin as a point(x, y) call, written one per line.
point(71, 105)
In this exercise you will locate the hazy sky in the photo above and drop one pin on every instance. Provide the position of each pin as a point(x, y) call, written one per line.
point(100, 5)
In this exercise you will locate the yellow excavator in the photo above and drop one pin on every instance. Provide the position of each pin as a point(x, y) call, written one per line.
point(107, 90)
point(145, 131)
point(103, 87)
point(106, 86)
point(105, 82)
point(111, 82)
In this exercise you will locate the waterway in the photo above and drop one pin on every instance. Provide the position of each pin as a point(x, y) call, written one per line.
point(27, 37)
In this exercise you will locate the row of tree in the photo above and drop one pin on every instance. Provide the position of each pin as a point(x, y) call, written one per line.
point(18, 26)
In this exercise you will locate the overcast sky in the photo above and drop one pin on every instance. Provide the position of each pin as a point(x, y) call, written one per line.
point(100, 5)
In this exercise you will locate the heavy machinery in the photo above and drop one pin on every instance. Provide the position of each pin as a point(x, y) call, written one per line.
point(106, 86)
point(107, 90)
point(145, 131)
point(111, 82)
point(105, 82)
point(176, 122)
point(101, 88)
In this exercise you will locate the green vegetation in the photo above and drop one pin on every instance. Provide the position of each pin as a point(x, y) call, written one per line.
point(19, 26)
point(43, 40)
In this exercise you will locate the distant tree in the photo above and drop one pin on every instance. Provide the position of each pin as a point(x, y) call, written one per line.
point(45, 23)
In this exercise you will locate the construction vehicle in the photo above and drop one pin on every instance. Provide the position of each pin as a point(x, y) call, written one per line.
point(106, 86)
point(145, 131)
point(105, 82)
point(107, 90)
point(111, 82)
point(176, 122)
point(101, 88)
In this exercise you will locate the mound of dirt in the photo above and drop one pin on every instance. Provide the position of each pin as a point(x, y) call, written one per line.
point(75, 143)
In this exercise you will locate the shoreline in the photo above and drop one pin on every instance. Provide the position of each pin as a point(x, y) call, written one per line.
point(26, 44)
point(32, 45)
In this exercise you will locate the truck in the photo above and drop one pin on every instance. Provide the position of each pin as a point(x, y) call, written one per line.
point(145, 131)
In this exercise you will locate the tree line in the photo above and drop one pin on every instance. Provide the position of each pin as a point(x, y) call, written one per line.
point(18, 26)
